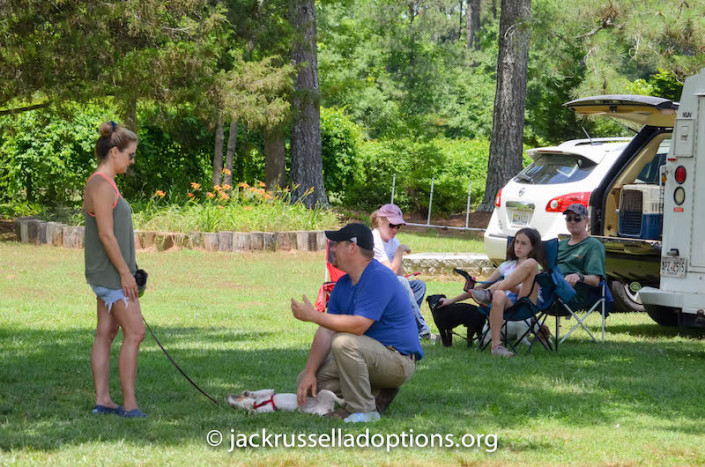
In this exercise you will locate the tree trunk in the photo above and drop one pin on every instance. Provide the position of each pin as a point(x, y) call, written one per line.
point(473, 24)
point(131, 114)
point(218, 152)
point(510, 98)
point(230, 155)
point(493, 8)
point(274, 158)
point(306, 158)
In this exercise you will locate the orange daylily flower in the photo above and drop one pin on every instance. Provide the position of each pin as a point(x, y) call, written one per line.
point(217, 188)
point(221, 207)
point(160, 193)
point(191, 195)
point(224, 196)
point(226, 171)
point(195, 186)
point(248, 208)
point(262, 184)
point(243, 185)
point(210, 195)
point(226, 187)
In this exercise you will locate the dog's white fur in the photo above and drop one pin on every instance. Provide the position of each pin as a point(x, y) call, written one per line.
point(323, 403)
point(515, 329)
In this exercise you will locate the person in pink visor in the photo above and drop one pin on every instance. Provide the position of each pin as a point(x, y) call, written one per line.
point(387, 221)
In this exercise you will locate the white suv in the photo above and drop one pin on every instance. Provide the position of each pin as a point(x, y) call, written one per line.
point(538, 195)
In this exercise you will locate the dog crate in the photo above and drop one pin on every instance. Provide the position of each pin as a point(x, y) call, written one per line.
point(641, 211)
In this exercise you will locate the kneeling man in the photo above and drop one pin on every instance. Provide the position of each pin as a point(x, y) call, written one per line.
point(367, 343)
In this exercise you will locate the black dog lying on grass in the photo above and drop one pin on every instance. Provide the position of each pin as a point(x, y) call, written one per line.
point(452, 316)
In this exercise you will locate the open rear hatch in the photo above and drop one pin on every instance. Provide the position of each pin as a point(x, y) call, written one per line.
point(644, 110)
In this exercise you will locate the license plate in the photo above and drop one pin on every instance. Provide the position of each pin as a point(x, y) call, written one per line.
point(520, 218)
point(673, 266)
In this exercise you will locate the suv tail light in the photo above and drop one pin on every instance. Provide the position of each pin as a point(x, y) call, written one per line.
point(561, 203)
point(498, 198)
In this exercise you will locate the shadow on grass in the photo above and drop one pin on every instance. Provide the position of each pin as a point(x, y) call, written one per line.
point(47, 390)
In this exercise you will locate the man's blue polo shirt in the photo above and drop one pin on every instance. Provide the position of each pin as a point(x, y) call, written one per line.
point(379, 296)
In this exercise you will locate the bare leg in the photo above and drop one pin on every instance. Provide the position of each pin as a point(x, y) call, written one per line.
point(524, 276)
point(499, 303)
point(130, 320)
point(105, 333)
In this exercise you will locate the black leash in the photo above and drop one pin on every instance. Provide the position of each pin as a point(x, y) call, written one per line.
point(177, 366)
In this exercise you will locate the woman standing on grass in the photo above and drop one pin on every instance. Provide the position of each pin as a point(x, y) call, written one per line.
point(110, 268)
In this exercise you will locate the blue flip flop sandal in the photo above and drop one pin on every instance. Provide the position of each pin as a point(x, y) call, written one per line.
point(103, 410)
point(134, 413)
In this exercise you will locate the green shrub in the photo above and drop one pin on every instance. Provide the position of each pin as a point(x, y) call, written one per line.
point(174, 150)
point(47, 155)
point(340, 147)
point(451, 163)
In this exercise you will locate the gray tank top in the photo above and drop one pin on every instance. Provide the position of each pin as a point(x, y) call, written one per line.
point(99, 269)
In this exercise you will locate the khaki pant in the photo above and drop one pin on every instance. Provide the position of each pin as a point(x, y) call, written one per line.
point(358, 366)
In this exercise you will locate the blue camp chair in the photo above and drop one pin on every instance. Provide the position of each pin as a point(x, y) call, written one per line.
point(599, 300)
point(554, 291)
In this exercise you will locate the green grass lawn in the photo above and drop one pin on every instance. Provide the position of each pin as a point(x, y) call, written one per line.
point(442, 241)
point(636, 399)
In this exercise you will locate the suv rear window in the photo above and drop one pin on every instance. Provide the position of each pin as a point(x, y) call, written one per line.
point(549, 169)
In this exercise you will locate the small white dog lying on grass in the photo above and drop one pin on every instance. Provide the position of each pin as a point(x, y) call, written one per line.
point(265, 400)
point(516, 329)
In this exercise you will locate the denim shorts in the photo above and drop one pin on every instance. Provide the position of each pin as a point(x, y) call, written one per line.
point(109, 296)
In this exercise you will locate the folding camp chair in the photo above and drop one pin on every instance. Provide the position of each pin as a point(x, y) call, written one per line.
point(599, 300)
point(535, 315)
point(332, 275)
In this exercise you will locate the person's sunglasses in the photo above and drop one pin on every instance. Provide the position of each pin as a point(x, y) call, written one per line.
point(395, 226)
point(573, 218)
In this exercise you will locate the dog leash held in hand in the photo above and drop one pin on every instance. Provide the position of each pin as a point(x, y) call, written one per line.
point(141, 280)
point(177, 366)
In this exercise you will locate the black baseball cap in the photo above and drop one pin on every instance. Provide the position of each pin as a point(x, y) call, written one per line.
point(359, 234)
point(578, 209)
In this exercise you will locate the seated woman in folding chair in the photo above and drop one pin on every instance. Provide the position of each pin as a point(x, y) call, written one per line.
point(512, 279)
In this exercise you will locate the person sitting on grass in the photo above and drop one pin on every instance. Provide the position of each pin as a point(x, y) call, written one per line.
point(512, 279)
point(387, 221)
point(366, 345)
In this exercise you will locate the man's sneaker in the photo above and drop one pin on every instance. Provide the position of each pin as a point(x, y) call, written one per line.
point(384, 398)
point(482, 296)
point(501, 351)
point(363, 417)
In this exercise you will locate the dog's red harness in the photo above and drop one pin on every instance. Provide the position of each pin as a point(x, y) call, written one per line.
point(268, 401)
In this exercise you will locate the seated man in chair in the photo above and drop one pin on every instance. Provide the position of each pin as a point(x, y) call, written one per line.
point(581, 258)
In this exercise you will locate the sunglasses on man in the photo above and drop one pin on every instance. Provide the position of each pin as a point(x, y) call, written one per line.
point(573, 218)
point(395, 226)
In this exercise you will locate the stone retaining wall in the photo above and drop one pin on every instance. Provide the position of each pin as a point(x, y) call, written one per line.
point(32, 230)
point(435, 264)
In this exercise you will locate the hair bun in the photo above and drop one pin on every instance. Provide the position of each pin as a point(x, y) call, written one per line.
point(106, 129)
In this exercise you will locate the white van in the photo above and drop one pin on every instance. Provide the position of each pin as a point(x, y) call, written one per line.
point(681, 291)
point(654, 234)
